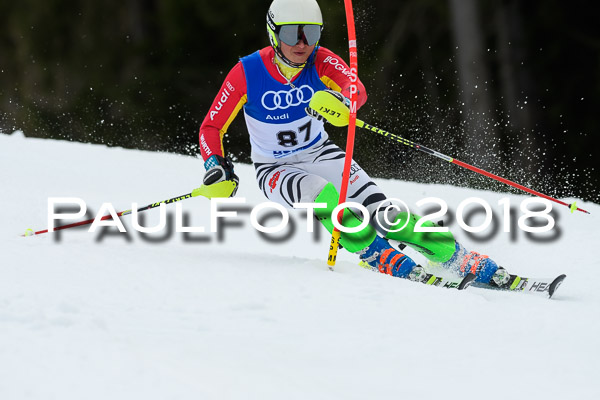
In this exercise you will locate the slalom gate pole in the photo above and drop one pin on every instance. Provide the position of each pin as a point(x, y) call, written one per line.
point(337, 114)
point(222, 188)
point(335, 236)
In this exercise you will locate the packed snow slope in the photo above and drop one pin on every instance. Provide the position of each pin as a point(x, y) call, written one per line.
point(231, 315)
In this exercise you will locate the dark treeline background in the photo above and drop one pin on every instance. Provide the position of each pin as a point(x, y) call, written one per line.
point(510, 86)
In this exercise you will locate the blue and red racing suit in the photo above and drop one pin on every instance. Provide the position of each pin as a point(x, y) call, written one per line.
point(274, 110)
point(292, 155)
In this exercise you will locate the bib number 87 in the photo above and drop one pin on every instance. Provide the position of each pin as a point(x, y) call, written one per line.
point(290, 138)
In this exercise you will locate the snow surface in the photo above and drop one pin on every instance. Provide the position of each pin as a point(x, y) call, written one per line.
point(115, 316)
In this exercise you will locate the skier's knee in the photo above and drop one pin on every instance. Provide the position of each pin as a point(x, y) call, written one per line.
point(437, 245)
point(353, 242)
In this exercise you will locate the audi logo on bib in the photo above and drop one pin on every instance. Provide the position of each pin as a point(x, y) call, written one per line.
point(283, 99)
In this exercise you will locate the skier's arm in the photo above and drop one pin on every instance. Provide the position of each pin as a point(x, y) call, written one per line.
point(335, 74)
point(229, 101)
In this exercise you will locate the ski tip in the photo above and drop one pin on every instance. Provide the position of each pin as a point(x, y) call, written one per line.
point(467, 280)
point(555, 284)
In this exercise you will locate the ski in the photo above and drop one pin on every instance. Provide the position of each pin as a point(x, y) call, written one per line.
point(448, 283)
point(434, 280)
point(459, 283)
point(539, 286)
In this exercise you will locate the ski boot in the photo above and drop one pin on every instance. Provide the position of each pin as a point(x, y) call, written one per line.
point(381, 256)
point(484, 268)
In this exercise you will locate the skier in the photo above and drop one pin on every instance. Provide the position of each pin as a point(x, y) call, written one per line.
point(293, 157)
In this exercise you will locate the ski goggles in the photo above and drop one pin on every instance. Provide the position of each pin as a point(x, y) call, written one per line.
point(292, 34)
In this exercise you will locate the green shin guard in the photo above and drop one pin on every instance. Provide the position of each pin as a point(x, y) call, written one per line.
point(353, 242)
point(435, 246)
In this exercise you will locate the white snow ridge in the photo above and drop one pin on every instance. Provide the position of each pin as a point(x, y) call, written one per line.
point(231, 315)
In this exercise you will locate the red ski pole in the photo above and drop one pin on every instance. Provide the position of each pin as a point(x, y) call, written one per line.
point(573, 207)
point(338, 115)
point(221, 189)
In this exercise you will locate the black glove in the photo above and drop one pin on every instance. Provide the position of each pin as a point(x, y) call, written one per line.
point(219, 169)
point(315, 114)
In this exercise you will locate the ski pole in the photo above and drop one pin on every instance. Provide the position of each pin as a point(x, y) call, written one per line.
point(220, 189)
point(338, 115)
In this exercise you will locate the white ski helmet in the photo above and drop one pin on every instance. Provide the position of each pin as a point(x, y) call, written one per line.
point(290, 21)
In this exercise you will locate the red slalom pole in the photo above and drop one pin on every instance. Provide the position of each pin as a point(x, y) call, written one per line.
point(573, 207)
point(335, 236)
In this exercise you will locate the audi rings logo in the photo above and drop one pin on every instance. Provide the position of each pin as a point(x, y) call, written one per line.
point(283, 99)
